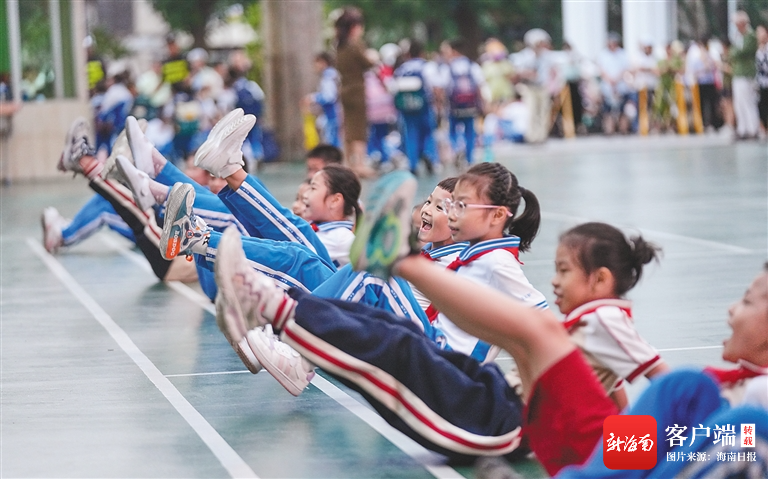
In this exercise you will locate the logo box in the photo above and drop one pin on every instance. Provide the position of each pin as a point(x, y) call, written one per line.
point(629, 442)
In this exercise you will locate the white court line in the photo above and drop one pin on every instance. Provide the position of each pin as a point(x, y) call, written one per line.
point(661, 234)
point(428, 459)
point(215, 373)
point(231, 461)
point(690, 349)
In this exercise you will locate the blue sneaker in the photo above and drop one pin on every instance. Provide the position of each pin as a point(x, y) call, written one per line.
point(183, 231)
point(386, 234)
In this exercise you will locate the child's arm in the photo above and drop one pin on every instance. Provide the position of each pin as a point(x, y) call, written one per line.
point(534, 338)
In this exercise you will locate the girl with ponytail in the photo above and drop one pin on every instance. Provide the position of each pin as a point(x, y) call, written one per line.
point(595, 266)
point(483, 212)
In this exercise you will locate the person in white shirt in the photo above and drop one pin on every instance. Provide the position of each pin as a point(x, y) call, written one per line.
point(614, 66)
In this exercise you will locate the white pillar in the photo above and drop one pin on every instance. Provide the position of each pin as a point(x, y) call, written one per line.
point(54, 13)
point(585, 26)
point(78, 52)
point(656, 21)
point(733, 33)
point(14, 44)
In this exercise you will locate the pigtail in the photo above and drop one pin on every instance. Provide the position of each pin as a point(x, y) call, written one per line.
point(526, 226)
point(598, 245)
point(341, 179)
point(501, 187)
point(643, 252)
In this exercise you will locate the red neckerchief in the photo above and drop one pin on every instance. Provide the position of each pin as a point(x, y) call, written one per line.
point(314, 226)
point(431, 311)
point(727, 377)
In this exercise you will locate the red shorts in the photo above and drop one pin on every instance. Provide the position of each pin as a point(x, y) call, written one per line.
point(564, 416)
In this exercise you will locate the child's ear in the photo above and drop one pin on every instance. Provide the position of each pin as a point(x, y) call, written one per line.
point(337, 199)
point(603, 280)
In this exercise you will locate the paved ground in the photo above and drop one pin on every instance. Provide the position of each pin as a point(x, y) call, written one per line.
point(107, 373)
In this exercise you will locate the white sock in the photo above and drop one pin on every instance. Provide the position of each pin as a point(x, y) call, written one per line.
point(159, 191)
point(158, 161)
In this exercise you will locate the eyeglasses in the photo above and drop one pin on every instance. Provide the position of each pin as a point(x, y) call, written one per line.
point(461, 207)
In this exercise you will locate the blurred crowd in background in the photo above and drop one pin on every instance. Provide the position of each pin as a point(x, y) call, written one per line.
point(428, 108)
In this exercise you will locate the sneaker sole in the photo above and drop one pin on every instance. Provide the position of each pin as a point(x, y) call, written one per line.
point(208, 152)
point(276, 373)
point(388, 210)
point(172, 234)
point(229, 314)
point(139, 159)
point(224, 321)
point(225, 120)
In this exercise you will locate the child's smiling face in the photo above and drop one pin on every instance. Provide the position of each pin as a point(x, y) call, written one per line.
point(748, 320)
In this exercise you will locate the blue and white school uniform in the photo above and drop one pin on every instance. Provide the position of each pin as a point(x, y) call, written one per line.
point(327, 97)
point(393, 295)
point(289, 264)
point(417, 120)
point(493, 263)
point(442, 256)
point(264, 217)
point(207, 205)
point(96, 213)
point(463, 71)
point(337, 236)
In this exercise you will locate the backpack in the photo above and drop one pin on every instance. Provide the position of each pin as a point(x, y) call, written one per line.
point(411, 96)
point(465, 95)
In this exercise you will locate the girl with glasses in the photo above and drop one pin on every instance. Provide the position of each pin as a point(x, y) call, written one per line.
point(483, 211)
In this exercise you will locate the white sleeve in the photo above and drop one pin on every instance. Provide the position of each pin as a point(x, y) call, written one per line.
point(477, 74)
point(507, 276)
point(756, 392)
point(611, 337)
point(431, 75)
point(338, 242)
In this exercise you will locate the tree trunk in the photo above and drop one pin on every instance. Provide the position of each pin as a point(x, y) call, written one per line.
point(469, 29)
point(292, 37)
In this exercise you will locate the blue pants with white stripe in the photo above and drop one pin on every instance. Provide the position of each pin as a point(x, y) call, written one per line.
point(96, 213)
point(444, 400)
point(417, 130)
point(291, 265)
point(207, 205)
point(394, 296)
point(264, 217)
point(468, 133)
point(690, 399)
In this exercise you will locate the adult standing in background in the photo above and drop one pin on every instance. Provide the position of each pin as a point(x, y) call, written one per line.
point(352, 63)
point(761, 61)
point(743, 64)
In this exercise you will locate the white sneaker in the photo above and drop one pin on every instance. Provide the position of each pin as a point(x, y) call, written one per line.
point(284, 363)
point(121, 148)
point(248, 298)
point(137, 181)
point(221, 154)
point(184, 232)
point(141, 148)
point(53, 223)
point(241, 346)
point(233, 115)
point(76, 145)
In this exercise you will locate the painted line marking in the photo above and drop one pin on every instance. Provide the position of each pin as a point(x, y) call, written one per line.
point(693, 348)
point(231, 461)
point(661, 234)
point(428, 459)
point(215, 373)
